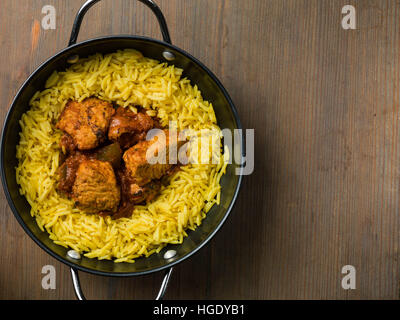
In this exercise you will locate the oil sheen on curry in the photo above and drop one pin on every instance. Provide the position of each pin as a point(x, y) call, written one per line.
point(104, 166)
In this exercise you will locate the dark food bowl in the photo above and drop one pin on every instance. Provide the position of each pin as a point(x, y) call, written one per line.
point(212, 90)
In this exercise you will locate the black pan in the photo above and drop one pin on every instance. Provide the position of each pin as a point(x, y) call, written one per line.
point(212, 90)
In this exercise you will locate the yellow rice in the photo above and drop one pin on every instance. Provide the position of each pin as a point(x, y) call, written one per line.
point(128, 79)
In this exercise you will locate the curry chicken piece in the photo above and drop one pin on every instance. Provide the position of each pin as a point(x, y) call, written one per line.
point(95, 188)
point(128, 128)
point(145, 193)
point(133, 193)
point(87, 176)
point(141, 168)
point(111, 153)
point(85, 123)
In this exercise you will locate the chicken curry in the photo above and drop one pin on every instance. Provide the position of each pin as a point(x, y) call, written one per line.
point(104, 168)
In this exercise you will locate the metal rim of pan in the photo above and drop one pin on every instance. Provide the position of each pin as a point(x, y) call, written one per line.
point(65, 52)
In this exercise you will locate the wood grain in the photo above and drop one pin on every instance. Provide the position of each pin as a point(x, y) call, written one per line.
point(324, 103)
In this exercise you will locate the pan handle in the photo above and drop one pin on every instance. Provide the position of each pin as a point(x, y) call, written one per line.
point(88, 4)
point(80, 296)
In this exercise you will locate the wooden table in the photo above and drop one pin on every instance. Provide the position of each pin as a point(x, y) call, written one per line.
point(324, 103)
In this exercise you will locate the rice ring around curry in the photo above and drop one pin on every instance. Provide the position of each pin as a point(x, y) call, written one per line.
point(127, 79)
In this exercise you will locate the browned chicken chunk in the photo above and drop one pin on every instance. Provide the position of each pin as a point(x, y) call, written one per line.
point(145, 193)
point(142, 170)
point(133, 193)
point(128, 128)
point(85, 122)
point(95, 188)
